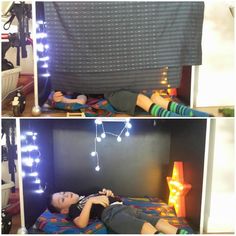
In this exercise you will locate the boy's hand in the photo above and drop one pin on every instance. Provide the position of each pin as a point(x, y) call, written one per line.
point(102, 200)
point(57, 96)
point(106, 192)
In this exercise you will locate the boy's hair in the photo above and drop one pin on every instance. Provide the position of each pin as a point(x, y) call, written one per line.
point(51, 208)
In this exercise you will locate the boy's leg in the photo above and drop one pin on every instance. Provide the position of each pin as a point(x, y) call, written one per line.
point(161, 225)
point(166, 228)
point(155, 110)
point(126, 101)
point(176, 107)
point(120, 220)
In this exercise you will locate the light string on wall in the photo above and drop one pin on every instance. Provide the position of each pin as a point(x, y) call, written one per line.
point(42, 49)
point(31, 158)
point(101, 133)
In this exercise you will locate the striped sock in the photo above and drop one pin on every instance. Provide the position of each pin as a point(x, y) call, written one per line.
point(185, 111)
point(156, 110)
point(182, 231)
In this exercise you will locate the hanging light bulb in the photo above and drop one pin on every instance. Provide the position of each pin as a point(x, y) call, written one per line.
point(41, 35)
point(40, 47)
point(29, 133)
point(34, 174)
point(127, 133)
point(37, 181)
point(40, 22)
point(37, 160)
point(98, 122)
point(28, 161)
point(43, 58)
point(23, 137)
point(128, 125)
point(103, 135)
point(99, 139)
point(97, 168)
point(45, 65)
point(34, 138)
point(118, 139)
point(93, 154)
point(40, 190)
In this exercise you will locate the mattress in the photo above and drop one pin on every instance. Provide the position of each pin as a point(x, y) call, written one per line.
point(98, 47)
point(52, 223)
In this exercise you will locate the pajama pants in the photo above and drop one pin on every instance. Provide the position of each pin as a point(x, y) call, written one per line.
point(123, 219)
point(123, 101)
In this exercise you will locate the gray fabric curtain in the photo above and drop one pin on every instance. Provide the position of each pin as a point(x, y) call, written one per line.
point(96, 47)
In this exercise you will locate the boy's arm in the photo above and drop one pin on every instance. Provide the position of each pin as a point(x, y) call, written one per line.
point(83, 219)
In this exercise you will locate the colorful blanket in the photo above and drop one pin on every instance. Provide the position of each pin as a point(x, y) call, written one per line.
point(94, 106)
point(57, 224)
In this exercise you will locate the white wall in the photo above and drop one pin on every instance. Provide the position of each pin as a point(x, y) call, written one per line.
point(219, 213)
point(215, 85)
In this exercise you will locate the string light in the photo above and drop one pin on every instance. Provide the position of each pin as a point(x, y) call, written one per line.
point(99, 136)
point(31, 158)
point(42, 49)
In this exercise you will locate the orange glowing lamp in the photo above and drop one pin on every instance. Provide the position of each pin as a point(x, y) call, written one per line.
point(178, 189)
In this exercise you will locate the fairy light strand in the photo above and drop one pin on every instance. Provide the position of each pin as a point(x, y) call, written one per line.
point(99, 137)
point(31, 159)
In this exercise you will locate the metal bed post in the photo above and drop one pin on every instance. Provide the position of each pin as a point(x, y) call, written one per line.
point(36, 110)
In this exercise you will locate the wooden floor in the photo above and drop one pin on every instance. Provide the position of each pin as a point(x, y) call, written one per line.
point(7, 110)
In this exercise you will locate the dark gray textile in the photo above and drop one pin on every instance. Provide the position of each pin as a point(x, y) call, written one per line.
point(123, 101)
point(126, 220)
point(116, 41)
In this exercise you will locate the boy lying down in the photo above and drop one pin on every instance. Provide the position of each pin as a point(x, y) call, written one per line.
point(110, 209)
point(126, 101)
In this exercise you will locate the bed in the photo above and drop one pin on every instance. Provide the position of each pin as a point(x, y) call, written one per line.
point(52, 223)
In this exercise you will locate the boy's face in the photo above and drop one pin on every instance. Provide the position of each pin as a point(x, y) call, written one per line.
point(63, 200)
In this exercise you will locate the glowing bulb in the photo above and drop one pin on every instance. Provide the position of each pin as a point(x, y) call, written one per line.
point(34, 174)
point(118, 139)
point(103, 135)
point(23, 174)
point(41, 35)
point(43, 58)
point(98, 122)
point(46, 46)
point(29, 148)
point(40, 22)
point(99, 139)
point(37, 181)
point(93, 154)
point(97, 168)
point(37, 160)
point(34, 138)
point(28, 161)
point(127, 133)
point(39, 190)
point(40, 47)
point(23, 137)
point(29, 133)
point(45, 65)
point(45, 75)
point(128, 125)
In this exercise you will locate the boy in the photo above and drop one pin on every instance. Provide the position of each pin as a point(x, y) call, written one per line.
point(111, 211)
point(126, 101)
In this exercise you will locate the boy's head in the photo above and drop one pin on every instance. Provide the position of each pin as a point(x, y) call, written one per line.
point(60, 202)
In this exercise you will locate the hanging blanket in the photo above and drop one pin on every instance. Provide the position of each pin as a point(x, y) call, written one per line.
point(96, 47)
